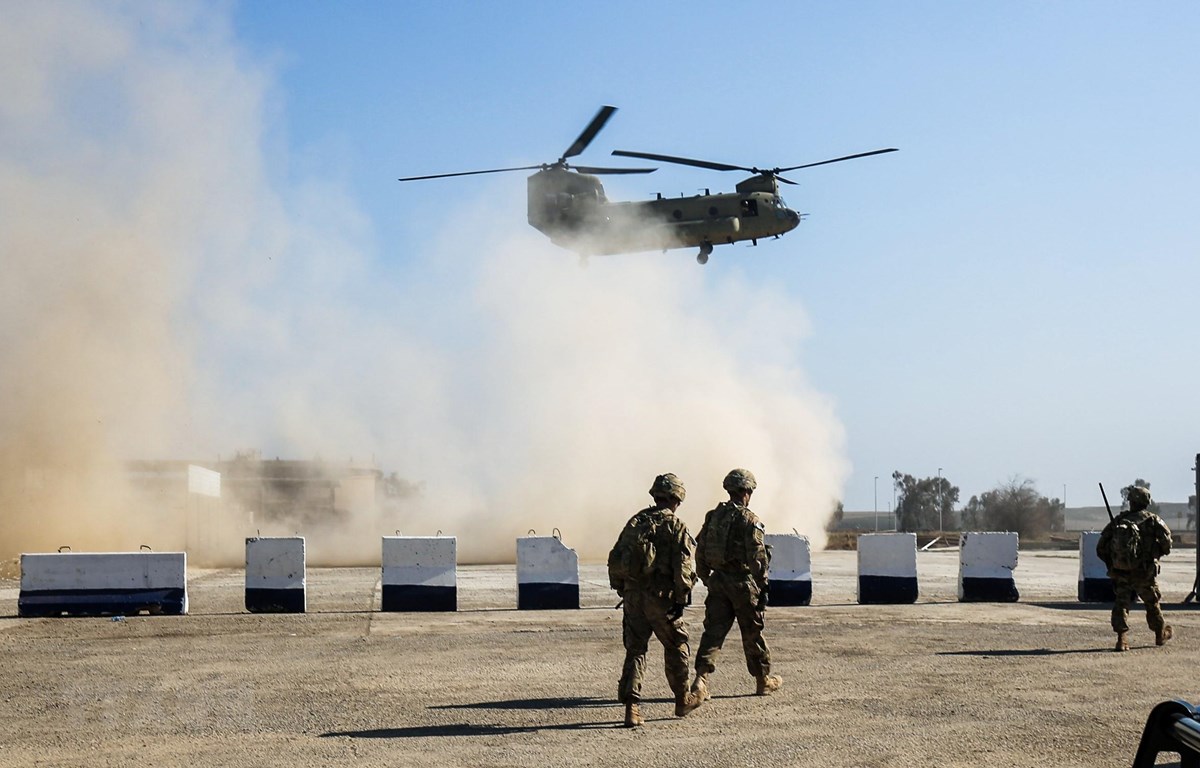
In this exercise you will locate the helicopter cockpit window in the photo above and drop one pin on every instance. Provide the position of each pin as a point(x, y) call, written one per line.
point(779, 202)
point(749, 207)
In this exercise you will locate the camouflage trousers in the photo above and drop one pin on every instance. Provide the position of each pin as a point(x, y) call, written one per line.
point(646, 615)
point(733, 597)
point(1144, 585)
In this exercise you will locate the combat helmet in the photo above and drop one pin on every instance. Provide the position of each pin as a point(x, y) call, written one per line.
point(668, 485)
point(739, 480)
point(1139, 497)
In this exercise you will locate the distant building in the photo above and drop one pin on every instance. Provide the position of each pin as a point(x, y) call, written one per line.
point(211, 506)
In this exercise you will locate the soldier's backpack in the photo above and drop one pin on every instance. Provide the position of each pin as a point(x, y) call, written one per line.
point(1127, 547)
point(635, 555)
point(717, 535)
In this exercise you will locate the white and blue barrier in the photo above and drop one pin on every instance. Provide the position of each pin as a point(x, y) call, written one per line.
point(887, 568)
point(791, 569)
point(547, 574)
point(275, 574)
point(1094, 584)
point(98, 583)
point(986, 561)
point(419, 573)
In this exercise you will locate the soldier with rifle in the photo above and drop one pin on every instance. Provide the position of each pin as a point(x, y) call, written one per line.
point(733, 561)
point(1130, 546)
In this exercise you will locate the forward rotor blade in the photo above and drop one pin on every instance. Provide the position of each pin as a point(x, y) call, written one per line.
point(838, 159)
point(590, 132)
point(785, 181)
point(682, 161)
point(472, 173)
point(610, 171)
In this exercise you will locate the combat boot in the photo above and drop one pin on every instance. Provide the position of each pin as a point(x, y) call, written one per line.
point(686, 703)
point(1122, 642)
point(768, 683)
point(700, 687)
point(1163, 635)
point(633, 715)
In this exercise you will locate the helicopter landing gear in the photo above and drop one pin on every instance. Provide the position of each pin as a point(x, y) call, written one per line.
point(705, 249)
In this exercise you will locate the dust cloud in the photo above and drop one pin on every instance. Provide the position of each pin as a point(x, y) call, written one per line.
point(174, 290)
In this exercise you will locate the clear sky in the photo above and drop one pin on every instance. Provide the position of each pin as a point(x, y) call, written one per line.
point(1013, 293)
point(202, 198)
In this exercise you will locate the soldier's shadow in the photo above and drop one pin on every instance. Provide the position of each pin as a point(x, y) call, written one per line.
point(464, 729)
point(495, 729)
point(1026, 652)
point(580, 702)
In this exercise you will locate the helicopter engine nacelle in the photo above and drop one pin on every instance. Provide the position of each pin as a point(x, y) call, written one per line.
point(563, 202)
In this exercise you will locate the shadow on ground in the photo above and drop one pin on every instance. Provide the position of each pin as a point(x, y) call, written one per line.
point(1026, 652)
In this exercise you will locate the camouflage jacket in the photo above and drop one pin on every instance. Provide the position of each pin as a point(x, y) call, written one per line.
point(673, 571)
point(731, 541)
point(1154, 532)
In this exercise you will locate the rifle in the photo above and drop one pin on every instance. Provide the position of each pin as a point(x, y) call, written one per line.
point(1105, 496)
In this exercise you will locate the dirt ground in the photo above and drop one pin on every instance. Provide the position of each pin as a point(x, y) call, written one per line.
point(940, 682)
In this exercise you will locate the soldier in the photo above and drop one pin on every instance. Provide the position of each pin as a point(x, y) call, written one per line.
point(1130, 546)
point(651, 568)
point(732, 560)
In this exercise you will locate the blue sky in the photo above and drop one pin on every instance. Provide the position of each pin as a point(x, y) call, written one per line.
point(1013, 293)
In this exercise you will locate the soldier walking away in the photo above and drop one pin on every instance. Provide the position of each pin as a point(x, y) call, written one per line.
point(651, 568)
point(733, 562)
point(1130, 546)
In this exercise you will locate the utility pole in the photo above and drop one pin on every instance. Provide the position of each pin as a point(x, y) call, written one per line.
point(876, 503)
point(1196, 584)
point(939, 500)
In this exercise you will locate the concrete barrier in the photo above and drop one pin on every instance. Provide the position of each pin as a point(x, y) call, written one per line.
point(547, 574)
point(419, 573)
point(986, 561)
point(275, 574)
point(99, 583)
point(791, 569)
point(1094, 584)
point(887, 568)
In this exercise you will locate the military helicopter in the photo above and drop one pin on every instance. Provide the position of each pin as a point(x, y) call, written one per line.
point(567, 203)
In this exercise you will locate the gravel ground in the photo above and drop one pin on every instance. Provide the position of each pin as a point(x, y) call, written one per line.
point(936, 683)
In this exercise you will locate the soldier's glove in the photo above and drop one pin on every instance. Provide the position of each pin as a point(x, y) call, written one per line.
point(763, 590)
point(676, 613)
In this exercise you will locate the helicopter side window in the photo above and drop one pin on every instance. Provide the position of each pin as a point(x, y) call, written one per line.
point(749, 207)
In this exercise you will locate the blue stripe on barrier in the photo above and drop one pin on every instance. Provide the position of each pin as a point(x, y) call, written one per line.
point(887, 589)
point(1096, 591)
point(419, 597)
point(537, 597)
point(790, 593)
point(985, 590)
point(100, 602)
point(259, 600)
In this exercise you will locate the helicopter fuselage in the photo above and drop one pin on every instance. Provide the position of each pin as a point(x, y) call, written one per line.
point(573, 211)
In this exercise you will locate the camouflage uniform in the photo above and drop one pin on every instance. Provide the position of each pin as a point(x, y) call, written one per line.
point(735, 587)
point(1141, 580)
point(654, 605)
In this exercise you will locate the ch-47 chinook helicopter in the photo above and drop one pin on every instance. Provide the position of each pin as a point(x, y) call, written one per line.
point(567, 203)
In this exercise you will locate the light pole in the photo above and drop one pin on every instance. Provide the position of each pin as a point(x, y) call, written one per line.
point(939, 500)
point(876, 503)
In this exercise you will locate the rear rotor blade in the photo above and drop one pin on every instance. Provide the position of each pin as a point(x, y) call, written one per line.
point(838, 159)
point(472, 173)
point(590, 132)
point(610, 171)
point(683, 161)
